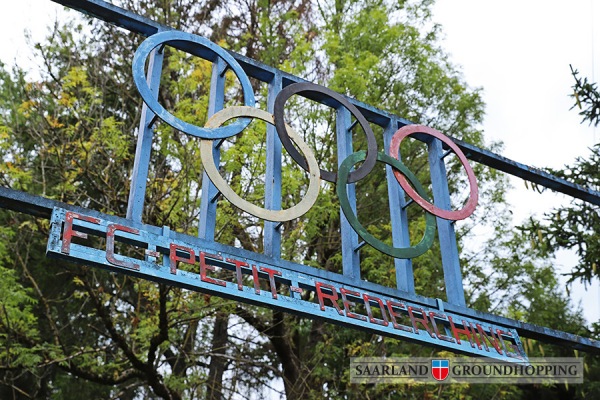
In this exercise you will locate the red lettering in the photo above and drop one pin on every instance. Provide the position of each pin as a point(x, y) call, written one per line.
point(367, 298)
point(110, 246)
point(173, 257)
point(204, 266)
point(69, 232)
point(347, 303)
point(424, 320)
point(476, 337)
point(432, 317)
point(456, 331)
point(493, 341)
point(238, 271)
point(333, 297)
point(517, 351)
point(390, 305)
point(256, 281)
point(272, 274)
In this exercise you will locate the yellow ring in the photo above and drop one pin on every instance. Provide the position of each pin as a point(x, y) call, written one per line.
point(206, 154)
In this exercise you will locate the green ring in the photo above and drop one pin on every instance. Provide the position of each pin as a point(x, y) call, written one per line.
point(405, 252)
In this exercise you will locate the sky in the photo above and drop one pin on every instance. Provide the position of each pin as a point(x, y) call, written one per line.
point(517, 51)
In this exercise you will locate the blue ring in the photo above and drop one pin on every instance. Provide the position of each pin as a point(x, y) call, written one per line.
point(139, 77)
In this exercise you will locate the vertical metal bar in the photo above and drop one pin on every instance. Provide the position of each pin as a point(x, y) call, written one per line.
point(293, 293)
point(350, 254)
point(400, 234)
point(449, 249)
point(166, 233)
point(141, 164)
point(208, 203)
point(272, 235)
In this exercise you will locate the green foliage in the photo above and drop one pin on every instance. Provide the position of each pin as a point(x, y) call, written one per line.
point(18, 323)
point(73, 332)
point(587, 98)
point(575, 226)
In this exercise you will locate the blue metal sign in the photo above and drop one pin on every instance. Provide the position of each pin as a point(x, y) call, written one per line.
point(229, 272)
point(200, 263)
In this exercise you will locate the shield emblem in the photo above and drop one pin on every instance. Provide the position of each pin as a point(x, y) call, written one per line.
point(440, 369)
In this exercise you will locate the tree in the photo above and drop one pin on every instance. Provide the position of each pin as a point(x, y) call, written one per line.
point(587, 98)
point(73, 332)
point(576, 226)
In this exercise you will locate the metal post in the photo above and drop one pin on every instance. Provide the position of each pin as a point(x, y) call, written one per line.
point(272, 238)
point(208, 203)
point(400, 234)
point(141, 164)
point(448, 247)
point(350, 252)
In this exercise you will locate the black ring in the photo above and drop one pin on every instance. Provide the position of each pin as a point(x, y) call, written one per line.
point(304, 87)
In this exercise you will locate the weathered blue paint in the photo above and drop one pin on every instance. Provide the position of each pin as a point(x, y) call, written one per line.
point(272, 230)
point(144, 26)
point(194, 44)
point(448, 247)
point(208, 204)
point(396, 317)
point(141, 165)
point(350, 247)
point(528, 173)
point(405, 280)
point(43, 208)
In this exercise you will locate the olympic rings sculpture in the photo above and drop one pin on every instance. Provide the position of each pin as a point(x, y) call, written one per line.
point(300, 152)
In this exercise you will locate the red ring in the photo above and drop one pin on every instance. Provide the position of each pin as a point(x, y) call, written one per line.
point(445, 214)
